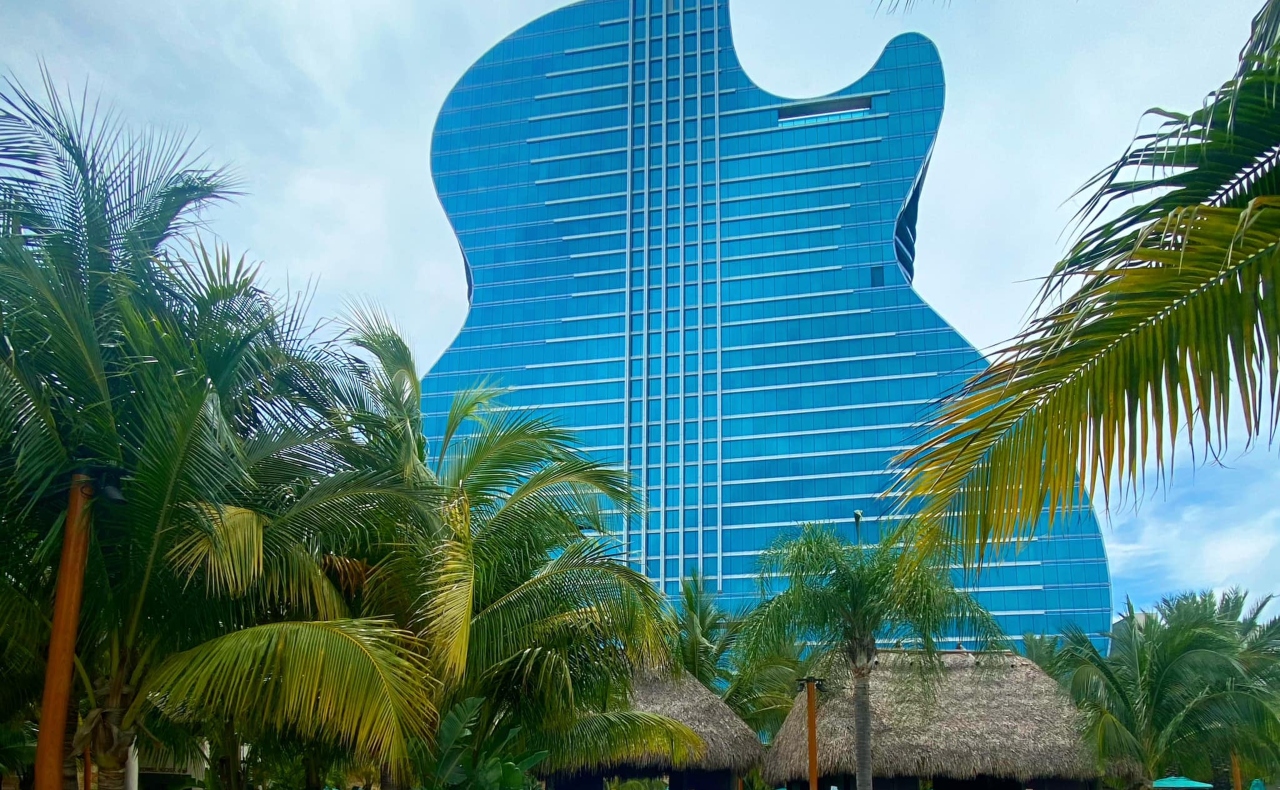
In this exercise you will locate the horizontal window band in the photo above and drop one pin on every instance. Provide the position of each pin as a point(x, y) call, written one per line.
point(571, 113)
point(565, 135)
point(777, 318)
point(824, 107)
point(817, 410)
point(580, 91)
point(592, 317)
point(767, 214)
point(601, 215)
point(583, 337)
point(779, 253)
point(573, 363)
point(825, 361)
point(563, 157)
point(815, 454)
point(561, 201)
point(580, 176)
point(805, 171)
point(781, 273)
point(776, 233)
point(826, 382)
point(556, 384)
point(805, 342)
point(819, 432)
point(780, 105)
point(785, 297)
point(785, 193)
point(596, 235)
point(595, 47)
point(798, 148)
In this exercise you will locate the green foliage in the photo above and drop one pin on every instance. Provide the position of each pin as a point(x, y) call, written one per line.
point(461, 760)
point(756, 681)
point(218, 419)
point(1183, 687)
point(1160, 323)
point(1045, 651)
point(17, 749)
point(845, 597)
point(525, 601)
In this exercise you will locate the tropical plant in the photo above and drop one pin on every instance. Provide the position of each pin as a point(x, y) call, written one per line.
point(209, 404)
point(17, 749)
point(526, 602)
point(455, 762)
point(1158, 326)
point(1044, 650)
point(756, 681)
point(1183, 687)
point(847, 598)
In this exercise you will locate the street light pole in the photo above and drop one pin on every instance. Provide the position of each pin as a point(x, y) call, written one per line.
point(811, 699)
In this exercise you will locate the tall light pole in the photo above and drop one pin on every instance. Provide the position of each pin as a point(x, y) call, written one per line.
point(857, 525)
point(811, 685)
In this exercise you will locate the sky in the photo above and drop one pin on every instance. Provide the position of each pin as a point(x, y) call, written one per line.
point(324, 110)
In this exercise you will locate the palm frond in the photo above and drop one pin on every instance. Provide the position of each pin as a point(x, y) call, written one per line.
point(359, 683)
point(1158, 323)
point(614, 737)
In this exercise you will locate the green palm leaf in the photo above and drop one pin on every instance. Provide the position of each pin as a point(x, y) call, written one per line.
point(359, 683)
point(1160, 322)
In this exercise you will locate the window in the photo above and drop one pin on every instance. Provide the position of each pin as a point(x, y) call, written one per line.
point(844, 106)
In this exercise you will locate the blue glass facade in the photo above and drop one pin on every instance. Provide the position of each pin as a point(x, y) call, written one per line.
point(713, 285)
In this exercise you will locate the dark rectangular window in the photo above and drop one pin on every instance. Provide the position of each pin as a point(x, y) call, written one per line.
point(877, 276)
point(824, 107)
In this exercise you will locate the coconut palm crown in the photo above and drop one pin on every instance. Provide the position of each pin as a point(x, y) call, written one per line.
point(847, 598)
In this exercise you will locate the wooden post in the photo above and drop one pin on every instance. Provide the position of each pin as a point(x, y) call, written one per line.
point(62, 637)
point(88, 768)
point(811, 696)
point(1237, 782)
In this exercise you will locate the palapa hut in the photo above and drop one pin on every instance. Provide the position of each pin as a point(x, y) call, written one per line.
point(731, 748)
point(984, 722)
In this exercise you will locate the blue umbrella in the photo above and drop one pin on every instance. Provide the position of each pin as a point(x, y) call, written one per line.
point(1178, 781)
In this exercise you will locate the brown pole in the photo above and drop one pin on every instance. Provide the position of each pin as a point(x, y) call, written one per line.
point(1237, 781)
point(88, 768)
point(811, 696)
point(62, 639)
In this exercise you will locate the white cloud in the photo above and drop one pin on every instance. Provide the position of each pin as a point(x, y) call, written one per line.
point(1217, 528)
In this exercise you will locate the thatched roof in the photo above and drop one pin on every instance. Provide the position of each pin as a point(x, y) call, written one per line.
point(730, 743)
point(993, 714)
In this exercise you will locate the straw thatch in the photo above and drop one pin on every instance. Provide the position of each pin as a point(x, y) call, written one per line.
point(729, 743)
point(982, 714)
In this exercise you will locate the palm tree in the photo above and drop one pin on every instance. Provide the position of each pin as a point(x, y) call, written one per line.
point(756, 681)
point(1159, 322)
point(527, 603)
point(1183, 686)
point(207, 399)
point(1043, 650)
point(848, 598)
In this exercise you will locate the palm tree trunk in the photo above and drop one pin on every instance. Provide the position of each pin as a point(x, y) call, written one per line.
point(311, 768)
point(111, 778)
point(62, 637)
point(862, 725)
